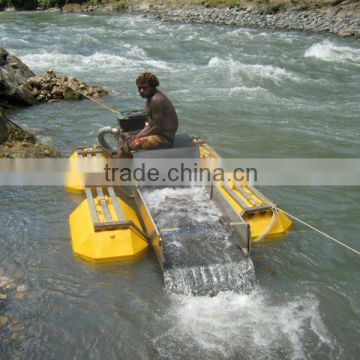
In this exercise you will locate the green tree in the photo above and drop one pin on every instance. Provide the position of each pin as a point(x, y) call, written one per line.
point(24, 4)
point(3, 4)
point(51, 3)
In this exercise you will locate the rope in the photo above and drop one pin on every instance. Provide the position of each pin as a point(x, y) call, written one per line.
point(97, 102)
point(270, 225)
point(16, 125)
point(321, 232)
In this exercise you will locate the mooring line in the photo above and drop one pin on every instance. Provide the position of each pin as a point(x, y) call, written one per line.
point(97, 102)
point(321, 232)
point(16, 125)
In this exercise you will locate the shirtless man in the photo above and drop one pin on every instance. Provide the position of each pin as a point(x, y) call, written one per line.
point(159, 132)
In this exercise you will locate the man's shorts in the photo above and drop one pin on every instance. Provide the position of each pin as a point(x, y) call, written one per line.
point(150, 142)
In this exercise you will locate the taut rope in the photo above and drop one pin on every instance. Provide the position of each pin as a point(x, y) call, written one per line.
point(321, 232)
point(97, 102)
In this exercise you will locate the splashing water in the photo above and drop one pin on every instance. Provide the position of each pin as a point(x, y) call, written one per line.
point(243, 326)
point(201, 258)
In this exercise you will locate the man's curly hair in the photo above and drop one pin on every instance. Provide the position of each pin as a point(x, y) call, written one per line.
point(149, 78)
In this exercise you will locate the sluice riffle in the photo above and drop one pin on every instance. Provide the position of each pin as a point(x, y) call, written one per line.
point(200, 255)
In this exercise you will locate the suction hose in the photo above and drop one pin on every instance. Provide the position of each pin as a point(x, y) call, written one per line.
point(116, 132)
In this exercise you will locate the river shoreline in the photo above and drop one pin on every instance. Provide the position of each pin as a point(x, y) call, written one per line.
point(342, 24)
point(342, 19)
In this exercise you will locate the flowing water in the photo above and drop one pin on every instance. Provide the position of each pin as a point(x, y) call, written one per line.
point(200, 255)
point(249, 93)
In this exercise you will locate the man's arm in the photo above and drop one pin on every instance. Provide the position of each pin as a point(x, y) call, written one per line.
point(155, 123)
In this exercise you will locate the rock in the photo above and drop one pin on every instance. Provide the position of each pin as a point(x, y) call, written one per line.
point(5, 283)
point(49, 87)
point(3, 296)
point(13, 75)
point(342, 18)
point(19, 87)
point(70, 94)
point(3, 321)
point(22, 288)
point(57, 92)
point(4, 127)
point(25, 149)
point(16, 142)
point(346, 33)
point(18, 134)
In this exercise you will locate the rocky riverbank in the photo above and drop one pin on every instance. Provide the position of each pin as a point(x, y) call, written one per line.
point(340, 17)
point(49, 87)
point(20, 87)
point(340, 21)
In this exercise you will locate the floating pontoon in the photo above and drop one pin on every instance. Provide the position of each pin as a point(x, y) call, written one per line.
point(115, 223)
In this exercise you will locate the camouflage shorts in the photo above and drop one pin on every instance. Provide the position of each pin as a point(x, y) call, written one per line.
point(150, 142)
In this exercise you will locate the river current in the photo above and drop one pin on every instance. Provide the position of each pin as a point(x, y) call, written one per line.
point(249, 93)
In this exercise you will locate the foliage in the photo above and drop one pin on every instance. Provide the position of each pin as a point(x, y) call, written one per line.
point(120, 5)
point(51, 3)
point(94, 2)
point(3, 4)
point(24, 4)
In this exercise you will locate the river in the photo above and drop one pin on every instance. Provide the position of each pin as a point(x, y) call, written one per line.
point(249, 93)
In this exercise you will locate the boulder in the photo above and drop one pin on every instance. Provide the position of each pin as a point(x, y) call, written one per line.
point(14, 90)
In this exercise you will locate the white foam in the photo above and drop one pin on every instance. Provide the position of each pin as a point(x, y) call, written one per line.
point(160, 199)
point(136, 51)
point(328, 51)
point(263, 71)
point(251, 324)
point(257, 90)
point(98, 60)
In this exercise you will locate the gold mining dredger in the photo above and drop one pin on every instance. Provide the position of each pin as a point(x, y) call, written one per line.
point(114, 223)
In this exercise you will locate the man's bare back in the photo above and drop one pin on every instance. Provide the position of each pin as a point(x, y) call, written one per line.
point(162, 114)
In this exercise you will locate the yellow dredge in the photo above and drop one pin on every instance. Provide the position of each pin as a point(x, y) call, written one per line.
point(114, 223)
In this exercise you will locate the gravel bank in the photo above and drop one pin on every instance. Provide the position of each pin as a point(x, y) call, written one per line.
point(340, 17)
point(334, 20)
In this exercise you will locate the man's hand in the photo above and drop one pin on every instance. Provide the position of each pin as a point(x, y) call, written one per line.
point(126, 136)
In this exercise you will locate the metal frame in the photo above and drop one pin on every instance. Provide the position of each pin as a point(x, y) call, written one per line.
point(233, 221)
point(91, 151)
point(247, 209)
point(109, 224)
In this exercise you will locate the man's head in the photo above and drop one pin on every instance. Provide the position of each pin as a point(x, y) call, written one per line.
point(147, 84)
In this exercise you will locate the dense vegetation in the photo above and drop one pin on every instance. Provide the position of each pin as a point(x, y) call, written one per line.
point(33, 4)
